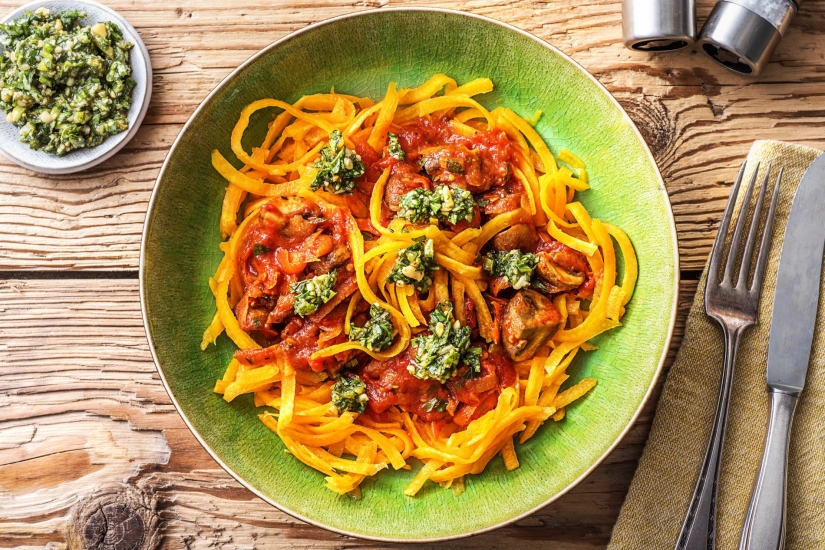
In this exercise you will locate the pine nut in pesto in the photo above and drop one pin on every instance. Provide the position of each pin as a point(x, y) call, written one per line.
point(64, 85)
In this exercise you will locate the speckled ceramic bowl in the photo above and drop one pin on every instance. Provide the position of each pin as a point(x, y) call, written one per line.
point(360, 54)
point(82, 159)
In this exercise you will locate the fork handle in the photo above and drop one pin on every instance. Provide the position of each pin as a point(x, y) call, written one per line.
point(699, 525)
point(765, 523)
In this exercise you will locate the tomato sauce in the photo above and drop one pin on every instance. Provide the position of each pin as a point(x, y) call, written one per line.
point(286, 238)
point(372, 170)
point(285, 245)
point(470, 318)
point(471, 398)
point(389, 383)
point(481, 161)
point(497, 308)
point(501, 200)
point(430, 145)
point(299, 340)
point(290, 236)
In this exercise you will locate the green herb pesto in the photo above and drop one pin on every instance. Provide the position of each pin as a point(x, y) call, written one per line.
point(435, 404)
point(454, 203)
point(414, 265)
point(349, 394)
point(415, 205)
point(515, 266)
point(376, 334)
point(445, 203)
point(440, 353)
point(394, 147)
point(338, 166)
point(310, 294)
point(454, 166)
point(65, 86)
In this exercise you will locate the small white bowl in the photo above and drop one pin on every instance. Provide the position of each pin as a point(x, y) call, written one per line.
point(82, 159)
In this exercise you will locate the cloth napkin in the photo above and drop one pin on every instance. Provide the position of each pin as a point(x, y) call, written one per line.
point(655, 508)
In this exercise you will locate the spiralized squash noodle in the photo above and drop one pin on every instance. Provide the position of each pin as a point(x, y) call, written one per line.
point(347, 447)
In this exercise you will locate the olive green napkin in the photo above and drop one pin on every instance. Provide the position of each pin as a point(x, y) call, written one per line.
point(652, 515)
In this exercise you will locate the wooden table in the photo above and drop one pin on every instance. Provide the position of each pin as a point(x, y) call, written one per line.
point(86, 428)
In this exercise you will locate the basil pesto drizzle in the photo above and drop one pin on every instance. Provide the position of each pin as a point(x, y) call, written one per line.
point(65, 86)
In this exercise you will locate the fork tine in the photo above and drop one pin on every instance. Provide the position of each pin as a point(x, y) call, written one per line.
point(721, 235)
point(736, 240)
point(745, 268)
point(764, 246)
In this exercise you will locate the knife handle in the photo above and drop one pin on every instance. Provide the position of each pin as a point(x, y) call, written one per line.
point(764, 527)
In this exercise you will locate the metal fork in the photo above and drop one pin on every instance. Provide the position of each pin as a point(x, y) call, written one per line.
point(734, 305)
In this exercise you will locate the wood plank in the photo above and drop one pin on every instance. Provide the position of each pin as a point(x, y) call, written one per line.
point(80, 397)
point(698, 118)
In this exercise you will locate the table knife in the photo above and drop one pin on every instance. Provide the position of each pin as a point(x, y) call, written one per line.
point(795, 307)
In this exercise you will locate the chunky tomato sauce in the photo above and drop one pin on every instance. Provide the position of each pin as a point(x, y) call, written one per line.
point(463, 397)
point(289, 238)
point(295, 239)
point(484, 157)
point(475, 163)
point(290, 234)
point(437, 154)
point(300, 339)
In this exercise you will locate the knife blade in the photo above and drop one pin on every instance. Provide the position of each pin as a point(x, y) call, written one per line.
point(798, 277)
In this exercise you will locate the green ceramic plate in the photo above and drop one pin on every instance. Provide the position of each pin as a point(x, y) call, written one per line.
point(359, 54)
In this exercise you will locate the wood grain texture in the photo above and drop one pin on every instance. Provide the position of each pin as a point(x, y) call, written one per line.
point(82, 408)
point(698, 119)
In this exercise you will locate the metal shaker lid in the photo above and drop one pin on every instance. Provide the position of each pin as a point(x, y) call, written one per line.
point(658, 25)
point(743, 34)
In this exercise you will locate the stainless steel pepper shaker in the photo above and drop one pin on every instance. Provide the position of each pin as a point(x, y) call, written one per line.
point(658, 25)
point(743, 34)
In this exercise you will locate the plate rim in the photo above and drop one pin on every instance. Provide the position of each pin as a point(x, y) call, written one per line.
point(572, 484)
point(144, 107)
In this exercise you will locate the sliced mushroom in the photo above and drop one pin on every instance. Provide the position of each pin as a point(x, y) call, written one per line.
point(500, 200)
point(282, 309)
point(290, 216)
point(252, 313)
point(521, 236)
point(403, 179)
point(530, 320)
point(497, 284)
point(327, 263)
point(562, 270)
point(455, 164)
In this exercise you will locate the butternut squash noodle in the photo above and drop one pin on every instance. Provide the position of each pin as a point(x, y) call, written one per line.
point(333, 268)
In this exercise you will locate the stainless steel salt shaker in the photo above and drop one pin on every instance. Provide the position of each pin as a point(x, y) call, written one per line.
point(658, 25)
point(743, 34)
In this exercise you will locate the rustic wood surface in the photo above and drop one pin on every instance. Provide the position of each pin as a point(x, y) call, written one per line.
point(91, 447)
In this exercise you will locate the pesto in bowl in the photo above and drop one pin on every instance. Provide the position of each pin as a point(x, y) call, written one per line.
point(64, 85)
